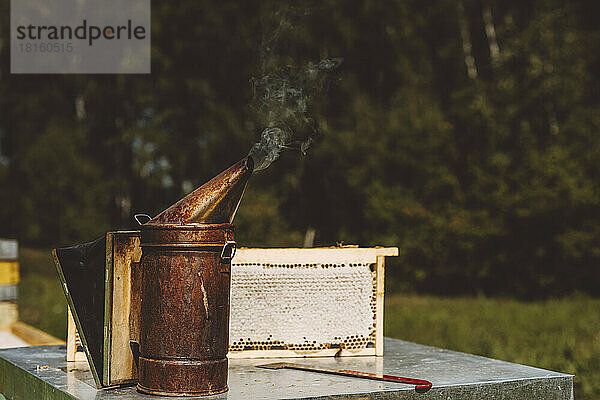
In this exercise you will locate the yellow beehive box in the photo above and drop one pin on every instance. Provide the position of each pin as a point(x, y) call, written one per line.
point(9, 280)
point(9, 273)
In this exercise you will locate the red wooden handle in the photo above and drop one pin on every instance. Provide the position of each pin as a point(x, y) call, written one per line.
point(421, 384)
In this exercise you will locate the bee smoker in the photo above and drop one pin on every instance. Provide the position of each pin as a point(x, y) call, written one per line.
point(184, 318)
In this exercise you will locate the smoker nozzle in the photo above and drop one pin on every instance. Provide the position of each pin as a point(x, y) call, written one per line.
point(214, 202)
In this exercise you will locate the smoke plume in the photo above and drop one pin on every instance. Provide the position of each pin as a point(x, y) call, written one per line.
point(282, 99)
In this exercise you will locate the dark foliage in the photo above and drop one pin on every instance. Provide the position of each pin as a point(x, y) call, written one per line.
point(464, 132)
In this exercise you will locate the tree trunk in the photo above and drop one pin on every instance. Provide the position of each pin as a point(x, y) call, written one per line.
point(490, 32)
point(466, 42)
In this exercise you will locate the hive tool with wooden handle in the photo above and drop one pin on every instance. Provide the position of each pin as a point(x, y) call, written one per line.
point(421, 385)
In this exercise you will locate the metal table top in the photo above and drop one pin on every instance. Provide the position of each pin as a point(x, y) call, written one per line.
point(42, 373)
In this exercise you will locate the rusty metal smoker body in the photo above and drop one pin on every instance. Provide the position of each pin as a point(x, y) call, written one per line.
point(184, 316)
point(184, 321)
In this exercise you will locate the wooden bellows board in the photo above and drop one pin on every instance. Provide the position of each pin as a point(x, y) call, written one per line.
point(285, 302)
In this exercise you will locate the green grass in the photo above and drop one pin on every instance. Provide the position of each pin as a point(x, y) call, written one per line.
point(561, 335)
point(41, 300)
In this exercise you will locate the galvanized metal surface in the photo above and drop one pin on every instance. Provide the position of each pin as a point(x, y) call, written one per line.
point(9, 292)
point(42, 373)
point(9, 249)
point(184, 316)
point(214, 202)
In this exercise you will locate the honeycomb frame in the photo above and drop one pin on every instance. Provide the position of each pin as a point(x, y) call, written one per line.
point(292, 259)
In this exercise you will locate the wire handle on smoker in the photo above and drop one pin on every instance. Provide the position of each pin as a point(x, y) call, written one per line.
point(228, 251)
point(138, 216)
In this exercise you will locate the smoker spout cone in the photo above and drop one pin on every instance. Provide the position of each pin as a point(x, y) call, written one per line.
point(215, 202)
